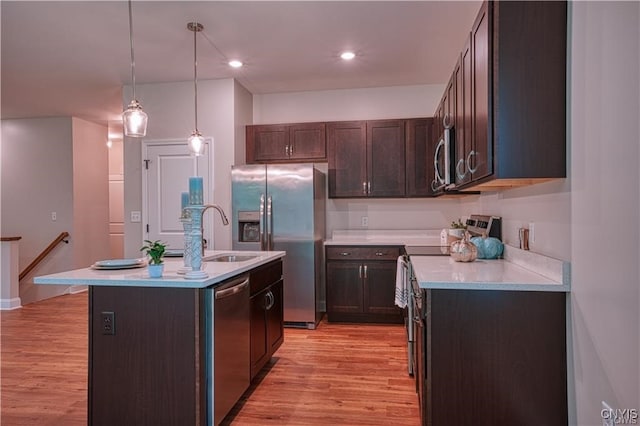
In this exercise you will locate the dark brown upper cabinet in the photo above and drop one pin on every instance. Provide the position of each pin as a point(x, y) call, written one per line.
point(510, 97)
point(419, 157)
point(281, 143)
point(386, 158)
point(366, 159)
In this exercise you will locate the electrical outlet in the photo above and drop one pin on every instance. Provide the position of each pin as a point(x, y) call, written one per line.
point(608, 418)
point(532, 232)
point(136, 217)
point(54, 216)
point(364, 221)
point(108, 321)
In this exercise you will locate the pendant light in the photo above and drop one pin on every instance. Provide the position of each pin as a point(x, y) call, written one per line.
point(196, 141)
point(134, 118)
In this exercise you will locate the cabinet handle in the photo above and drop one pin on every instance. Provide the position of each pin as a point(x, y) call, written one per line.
point(365, 272)
point(471, 169)
point(286, 150)
point(379, 253)
point(447, 121)
point(270, 300)
point(369, 187)
point(360, 271)
point(291, 149)
point(461, 176)
point(364, 188)
point(345, 253)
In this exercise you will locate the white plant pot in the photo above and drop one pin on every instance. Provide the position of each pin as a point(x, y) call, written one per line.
point(155, 271)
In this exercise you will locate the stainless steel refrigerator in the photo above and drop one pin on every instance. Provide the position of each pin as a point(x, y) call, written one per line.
point(282, 207)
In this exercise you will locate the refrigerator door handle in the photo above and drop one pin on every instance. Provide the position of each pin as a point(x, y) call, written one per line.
point(262, 224)
point(269, 223)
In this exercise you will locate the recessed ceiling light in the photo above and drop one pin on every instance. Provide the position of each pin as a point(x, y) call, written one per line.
point(347, 56)
point(235, 63)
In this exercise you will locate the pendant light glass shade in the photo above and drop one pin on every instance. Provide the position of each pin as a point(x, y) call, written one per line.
point(196, 141)
point(134, 119)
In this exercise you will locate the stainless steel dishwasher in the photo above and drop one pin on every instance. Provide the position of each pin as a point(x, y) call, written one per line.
point(229, 347)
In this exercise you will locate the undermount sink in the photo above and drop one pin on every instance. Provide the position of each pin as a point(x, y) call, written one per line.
point(229, 258)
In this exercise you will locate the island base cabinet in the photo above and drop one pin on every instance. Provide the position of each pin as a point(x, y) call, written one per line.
point(146, 357)
point(495, 358)
point(267, 314)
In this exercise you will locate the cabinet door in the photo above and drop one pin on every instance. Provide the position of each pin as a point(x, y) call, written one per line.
point(386, 158)
point(380, 288)
point(344, 288)
point(480, 158)
point(419, 161)
point(463, 116)
point(275, 317)
point(347, 159)
point(259, 345)
point(267, 143)
point(307, 142)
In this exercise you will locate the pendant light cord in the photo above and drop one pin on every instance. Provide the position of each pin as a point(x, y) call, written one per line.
point(195, 75)
point(133, 63)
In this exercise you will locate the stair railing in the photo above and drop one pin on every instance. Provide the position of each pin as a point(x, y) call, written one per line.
point(60, 238)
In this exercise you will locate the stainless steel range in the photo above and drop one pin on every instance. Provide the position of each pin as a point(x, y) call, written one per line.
point(411, 286)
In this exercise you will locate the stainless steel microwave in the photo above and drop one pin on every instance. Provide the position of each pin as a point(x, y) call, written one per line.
point(442, 157)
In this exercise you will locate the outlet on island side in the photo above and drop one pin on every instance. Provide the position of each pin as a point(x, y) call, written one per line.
point(108, 322)
point(364, 221)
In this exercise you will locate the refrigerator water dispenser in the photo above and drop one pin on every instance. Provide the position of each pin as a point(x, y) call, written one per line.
point(249, 226)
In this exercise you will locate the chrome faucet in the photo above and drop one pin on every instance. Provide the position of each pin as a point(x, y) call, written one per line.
point(223, 216)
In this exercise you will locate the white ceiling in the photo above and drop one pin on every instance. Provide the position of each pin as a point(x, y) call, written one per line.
point(72, 58)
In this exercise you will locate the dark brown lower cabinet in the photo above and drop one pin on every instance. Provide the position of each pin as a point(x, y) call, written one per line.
point(493, 358)
point(361, 284)
point(267, 315)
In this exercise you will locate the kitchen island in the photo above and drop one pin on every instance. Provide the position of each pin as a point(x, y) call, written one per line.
point(154, 344)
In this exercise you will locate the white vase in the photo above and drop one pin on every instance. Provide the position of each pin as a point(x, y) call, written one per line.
point(155, 271)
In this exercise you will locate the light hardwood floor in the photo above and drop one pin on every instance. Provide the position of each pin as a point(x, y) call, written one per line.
point(337, 374)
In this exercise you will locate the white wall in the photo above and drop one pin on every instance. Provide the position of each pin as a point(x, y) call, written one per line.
point(170, 107)
point(40, 172)
point(243, 116)
point(605, 233)
point(90, 193)
point(350, 104)
point(364, 104)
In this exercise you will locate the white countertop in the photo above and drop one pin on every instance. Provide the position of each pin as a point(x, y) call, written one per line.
point(442, 272)
point(139, 277)
point(519, 270)
point(422, 237)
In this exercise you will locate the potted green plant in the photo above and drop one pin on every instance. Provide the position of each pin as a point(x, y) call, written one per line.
point(456, 229)
point(155, 250)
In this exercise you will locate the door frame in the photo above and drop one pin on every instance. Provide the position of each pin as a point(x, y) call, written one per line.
point(208, 156)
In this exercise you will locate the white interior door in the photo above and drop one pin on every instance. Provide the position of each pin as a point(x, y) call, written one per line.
point(168, 166)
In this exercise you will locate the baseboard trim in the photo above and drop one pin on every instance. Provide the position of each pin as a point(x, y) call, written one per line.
point(10, 304)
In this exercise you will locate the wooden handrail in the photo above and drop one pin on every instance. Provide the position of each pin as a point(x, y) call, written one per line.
point(45, 252)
